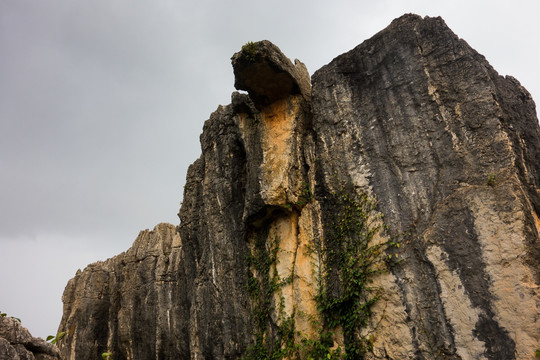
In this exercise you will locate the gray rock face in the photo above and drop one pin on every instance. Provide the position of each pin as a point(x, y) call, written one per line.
point(447, 149)
point(16, 343)
point(451, 151)
point(108, 303)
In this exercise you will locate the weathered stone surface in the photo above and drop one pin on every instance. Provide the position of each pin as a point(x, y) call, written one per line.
point(108, 304)
point(450, 150)
point(414, 117)
point(7, 351)
point(16, 342)
point(250, 178)
point(267, 75)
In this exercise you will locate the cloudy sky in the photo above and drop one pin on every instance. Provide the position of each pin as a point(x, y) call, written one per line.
point(102, 103)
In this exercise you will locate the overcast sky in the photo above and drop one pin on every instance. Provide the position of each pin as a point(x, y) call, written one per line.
point(102, 103)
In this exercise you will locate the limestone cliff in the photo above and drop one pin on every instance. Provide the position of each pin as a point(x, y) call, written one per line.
point(449, 149)
point(388, 209)
point(108, 303)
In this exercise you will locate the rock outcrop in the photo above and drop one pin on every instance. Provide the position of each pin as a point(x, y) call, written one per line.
point(16, 343)
point(389, 210)
point(108, 303)
point(267, 75)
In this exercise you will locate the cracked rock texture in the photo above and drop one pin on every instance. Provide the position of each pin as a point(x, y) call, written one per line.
point(449, 150)
point(108, 304)
point(16, 343)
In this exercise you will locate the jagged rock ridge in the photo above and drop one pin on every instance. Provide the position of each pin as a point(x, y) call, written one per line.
point(413, 117)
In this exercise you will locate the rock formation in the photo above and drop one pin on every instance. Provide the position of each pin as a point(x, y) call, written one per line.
point(16, 343)
point(388, 211)
point(108, 303)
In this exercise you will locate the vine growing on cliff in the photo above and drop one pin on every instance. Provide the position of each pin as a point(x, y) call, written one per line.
point(350, 258)
point(273, 341)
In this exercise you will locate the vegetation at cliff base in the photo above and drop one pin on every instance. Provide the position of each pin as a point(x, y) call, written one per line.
point(263, 284)
point(349, 258)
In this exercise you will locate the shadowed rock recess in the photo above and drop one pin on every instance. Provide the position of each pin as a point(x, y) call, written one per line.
point(410, 142)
